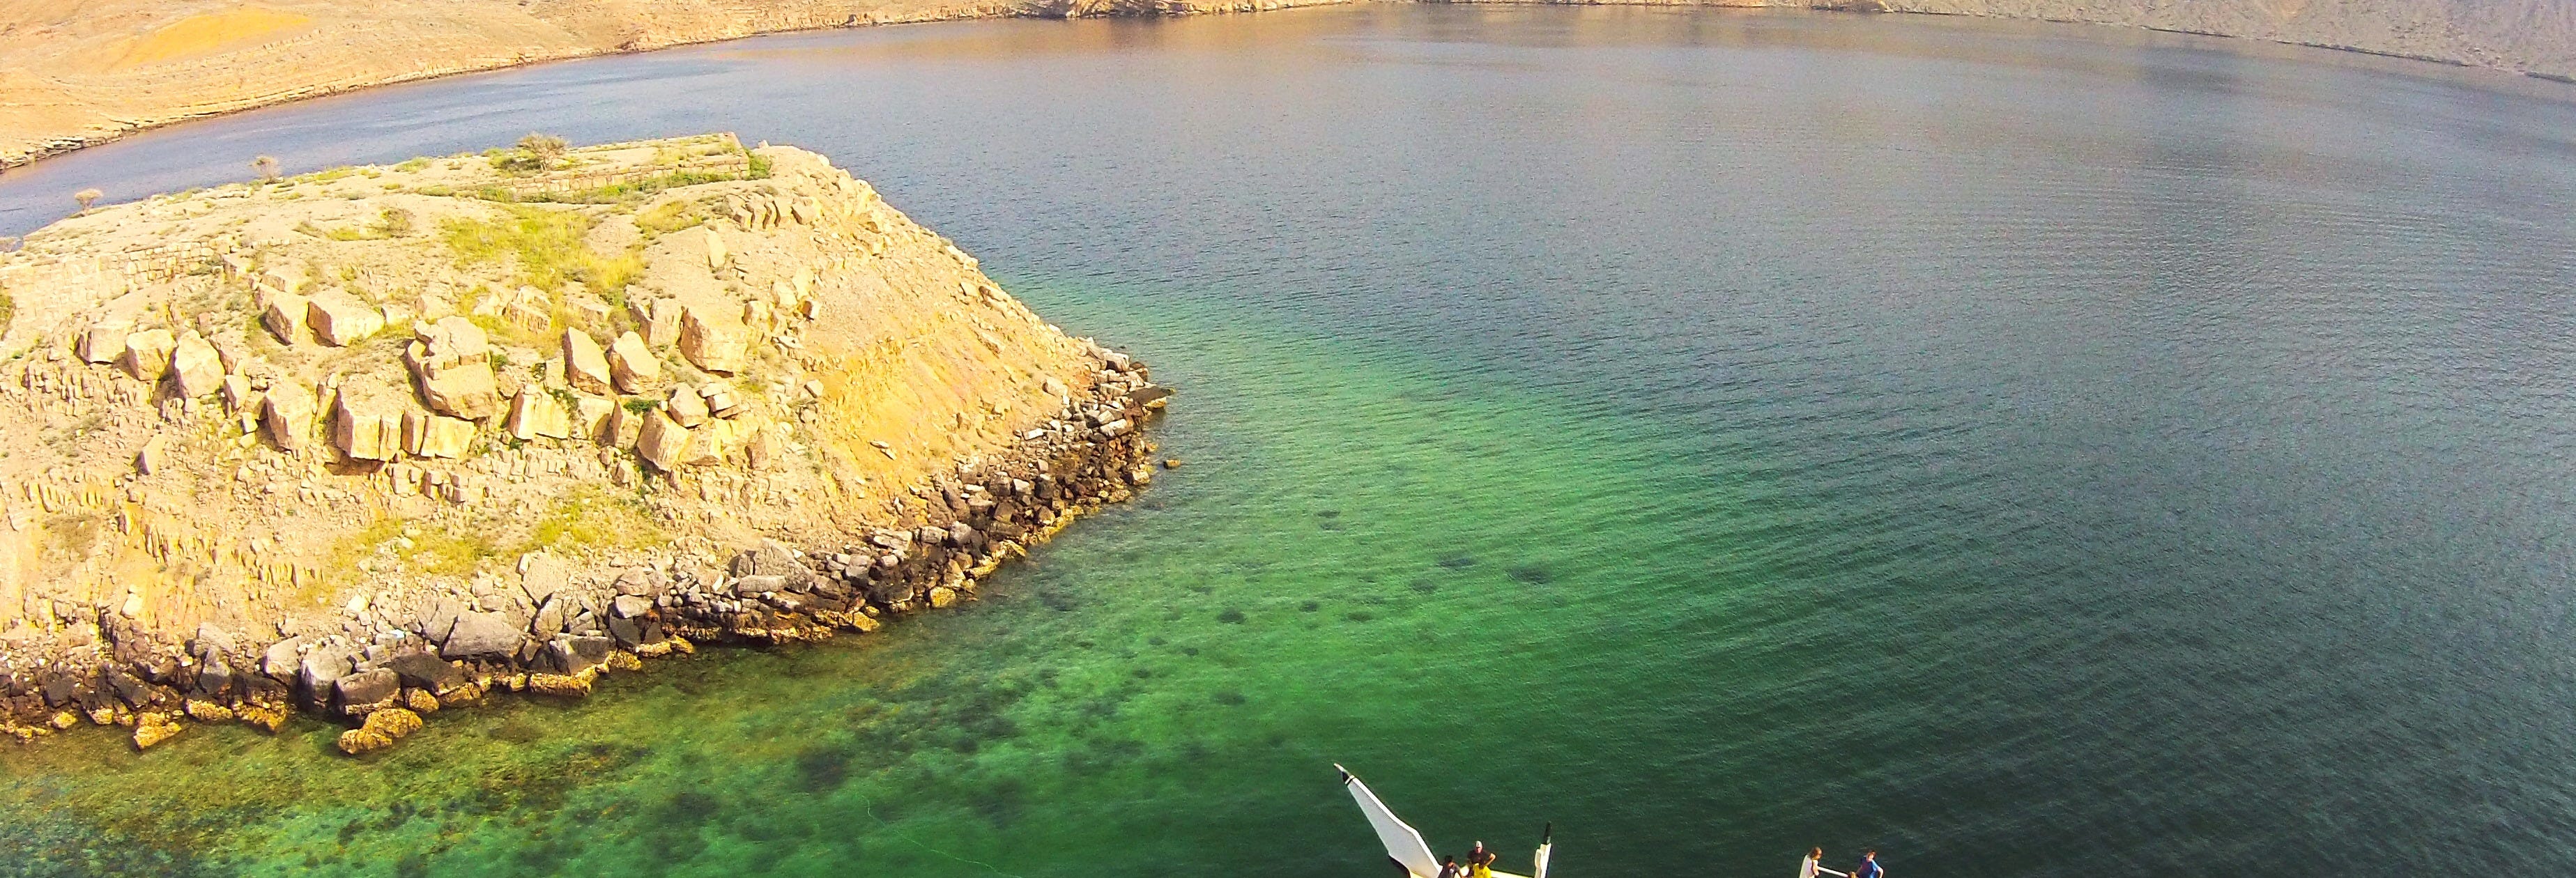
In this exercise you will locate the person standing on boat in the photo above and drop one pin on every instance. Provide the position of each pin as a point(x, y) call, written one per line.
point(1480, 862)
point(1807, 867)
point(1449, 868)
point(1868, 867)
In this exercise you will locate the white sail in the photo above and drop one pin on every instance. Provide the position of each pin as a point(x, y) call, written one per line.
point(1403, 845)
point(1546, 843)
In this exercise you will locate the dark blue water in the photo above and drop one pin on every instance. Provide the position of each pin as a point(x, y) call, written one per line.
point(2027, 450)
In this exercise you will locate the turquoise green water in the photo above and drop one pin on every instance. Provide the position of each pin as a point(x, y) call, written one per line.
point(1352, 560)
point(2028, 450)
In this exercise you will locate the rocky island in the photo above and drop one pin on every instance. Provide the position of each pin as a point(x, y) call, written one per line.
point(376, 441)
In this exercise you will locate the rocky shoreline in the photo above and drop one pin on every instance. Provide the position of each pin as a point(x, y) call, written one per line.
point(387, 682)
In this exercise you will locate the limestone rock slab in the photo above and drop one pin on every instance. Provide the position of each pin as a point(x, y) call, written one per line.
point(428, 435)
point(287, 413)
point(585, 364)
point(284, 318)
point(102, 343)
point(712, 338)
point(339, 319)
point(147, 354)
point(661, 441)
point(452, 361)
point(366, 421)
point(195, 368)
point(537, 413)
point(686, 407)
point(481, 635)
point(631, 364)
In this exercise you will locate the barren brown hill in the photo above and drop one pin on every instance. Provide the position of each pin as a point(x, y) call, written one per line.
point(76, 72)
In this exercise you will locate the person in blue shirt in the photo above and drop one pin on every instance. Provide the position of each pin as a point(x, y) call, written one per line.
point(1868, 867)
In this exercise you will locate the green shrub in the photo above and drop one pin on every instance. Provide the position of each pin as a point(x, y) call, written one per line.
point(395, 222)
point(536, 153)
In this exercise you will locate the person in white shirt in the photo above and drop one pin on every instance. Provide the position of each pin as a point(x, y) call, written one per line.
point(1807, 868)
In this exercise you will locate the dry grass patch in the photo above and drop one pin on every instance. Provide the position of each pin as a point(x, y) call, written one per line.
point(543, 246)
point(592, 518)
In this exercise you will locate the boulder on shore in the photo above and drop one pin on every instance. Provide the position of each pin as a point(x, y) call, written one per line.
point(367, 690)
point(425, 671)
point(481, 635)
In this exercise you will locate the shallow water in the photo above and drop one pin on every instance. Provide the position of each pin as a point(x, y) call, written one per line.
point(2026, 450)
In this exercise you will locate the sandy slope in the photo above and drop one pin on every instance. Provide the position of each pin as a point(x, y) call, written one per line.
point(89, 70)
point(75, 72)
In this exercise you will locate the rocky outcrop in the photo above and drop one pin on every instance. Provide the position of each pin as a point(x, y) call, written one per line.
point(375, 521)
point(585, 364)
point(710, 335)
point(451, 360)
point(339, 319)
point(632, 366)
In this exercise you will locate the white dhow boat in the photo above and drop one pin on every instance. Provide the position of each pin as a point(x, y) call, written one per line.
point(1404, 846)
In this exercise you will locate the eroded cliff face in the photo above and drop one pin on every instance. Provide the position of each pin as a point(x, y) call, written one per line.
point(380, 437)
point(73, 74)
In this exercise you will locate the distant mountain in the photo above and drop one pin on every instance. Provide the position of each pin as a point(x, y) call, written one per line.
point(2534, 36)
point(79, 72)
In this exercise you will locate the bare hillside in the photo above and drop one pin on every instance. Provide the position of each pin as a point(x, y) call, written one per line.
point(82, 72)
point(2521, 35)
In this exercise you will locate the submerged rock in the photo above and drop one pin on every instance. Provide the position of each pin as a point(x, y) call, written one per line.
point(559, 685)
point(380, 731)
point(154, 728)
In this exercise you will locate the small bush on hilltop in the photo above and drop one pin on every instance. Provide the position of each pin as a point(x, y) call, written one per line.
point(537, 152)
point(395, 222)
